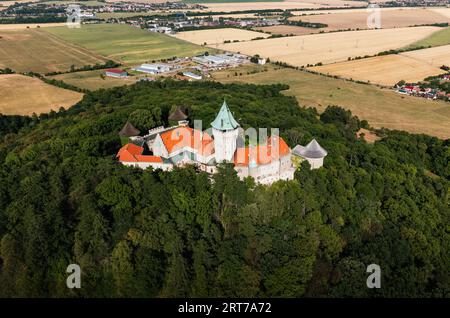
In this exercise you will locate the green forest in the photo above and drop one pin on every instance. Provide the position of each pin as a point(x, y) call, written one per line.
point(64, 198)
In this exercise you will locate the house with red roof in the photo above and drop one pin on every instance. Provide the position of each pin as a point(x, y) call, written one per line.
point(164, 148)
point(115, 72)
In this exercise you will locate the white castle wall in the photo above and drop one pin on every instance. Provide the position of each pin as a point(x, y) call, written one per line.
point(224, 144)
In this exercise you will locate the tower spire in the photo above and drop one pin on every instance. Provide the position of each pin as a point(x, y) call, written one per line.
point(224, 119)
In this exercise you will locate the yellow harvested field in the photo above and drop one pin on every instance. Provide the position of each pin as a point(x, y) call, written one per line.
point(388, 19)
point(330, 47)
point(288, 30)
point(20, 26)
point(218, 36)
point(350, 10)
point(442, 11)
point(23, 95)
point(230, 15)
point(285, 5)
point(383, 70)
point(142, 1)
point(436, 56)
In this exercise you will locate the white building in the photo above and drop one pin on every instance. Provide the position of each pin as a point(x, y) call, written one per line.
point(192, 75)
point(154, 68)
point(179, 145)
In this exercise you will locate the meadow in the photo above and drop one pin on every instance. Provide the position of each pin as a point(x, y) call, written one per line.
point(38, 51)
point(441, 37)
point(24, 95)
point(381, 107)
point(330, 47)
point(92, 80)
point(126, 44)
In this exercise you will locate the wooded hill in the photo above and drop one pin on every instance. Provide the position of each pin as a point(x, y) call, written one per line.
point(65, 199)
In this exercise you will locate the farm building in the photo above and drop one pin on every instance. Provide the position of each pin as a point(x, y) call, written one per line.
point(114, 72)
point(154, 68)
point(192, 75)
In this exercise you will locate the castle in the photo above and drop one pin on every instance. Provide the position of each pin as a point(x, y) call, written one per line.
point(178, 145)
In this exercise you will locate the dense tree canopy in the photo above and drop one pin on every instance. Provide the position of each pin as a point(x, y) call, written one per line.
point(65, 199)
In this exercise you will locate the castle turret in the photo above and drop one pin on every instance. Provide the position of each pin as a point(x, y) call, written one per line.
point(225, 132)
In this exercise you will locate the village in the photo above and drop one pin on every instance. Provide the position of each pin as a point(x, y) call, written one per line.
point(425, 90)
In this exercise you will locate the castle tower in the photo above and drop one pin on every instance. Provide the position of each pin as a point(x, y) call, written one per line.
point(225, 132)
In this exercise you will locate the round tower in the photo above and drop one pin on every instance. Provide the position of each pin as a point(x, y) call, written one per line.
point(225, 132)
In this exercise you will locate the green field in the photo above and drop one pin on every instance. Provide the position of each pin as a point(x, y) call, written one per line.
point(381, 107)
point(127, 44)
point(92, 80)
point(438, 38)
point(38, 51)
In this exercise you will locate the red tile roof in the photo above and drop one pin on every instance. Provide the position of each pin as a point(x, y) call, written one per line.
point(133, 153)
point(181, 137)
point(274, 149)
point(115, 70)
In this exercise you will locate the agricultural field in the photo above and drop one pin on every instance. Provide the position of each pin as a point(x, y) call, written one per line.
point(218, 36)
point(381, 107)
point(389, 19)
point(330, 47)
point(126, 44)
point(20, 26)
point(23, 95)
point(39, 51)
point(343, 10)
point(297, 4)
point(441, 37)
point(82, 2)
point(287, 30)
point(435, 56)
point(383, 70)
point(93, 80)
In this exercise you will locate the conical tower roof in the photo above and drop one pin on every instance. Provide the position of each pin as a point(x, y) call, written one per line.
point(128, 130)
point(311, 150)
point(178, 114)
point(224, 119)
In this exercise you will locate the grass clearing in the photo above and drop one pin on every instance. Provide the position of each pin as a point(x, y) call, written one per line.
point(23, 95)
point(127, 44)
point(381, 107)
point(92, 80)
point(441, 37)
